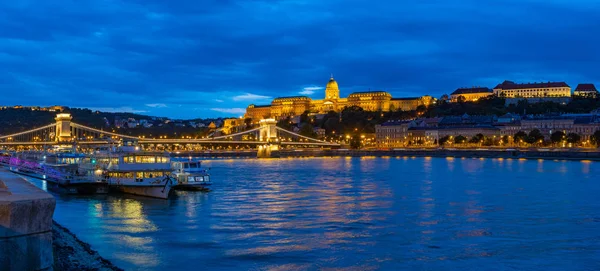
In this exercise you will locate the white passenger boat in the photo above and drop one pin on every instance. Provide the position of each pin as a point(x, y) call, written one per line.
point(190, 175)
point(59, 170)
point(134, 172)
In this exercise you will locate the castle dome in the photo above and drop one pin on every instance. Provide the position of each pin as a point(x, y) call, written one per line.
point(332, 84)
point(332, 91)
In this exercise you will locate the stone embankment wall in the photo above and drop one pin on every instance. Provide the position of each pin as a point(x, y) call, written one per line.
point(491, 153)
point(25, 225)
point(527, 154)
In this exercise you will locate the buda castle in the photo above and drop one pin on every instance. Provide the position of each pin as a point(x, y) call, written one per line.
point(370, 101)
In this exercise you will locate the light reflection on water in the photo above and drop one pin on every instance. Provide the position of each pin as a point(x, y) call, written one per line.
point(356, 214)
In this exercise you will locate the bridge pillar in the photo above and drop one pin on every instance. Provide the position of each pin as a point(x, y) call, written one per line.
point(63, 127)
point(268, 135)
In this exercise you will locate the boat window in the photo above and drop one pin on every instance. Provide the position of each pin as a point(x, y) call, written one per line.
point(193, 165)
point(151, 174)
point(121, 174)
point(129, 159)
point(186, 165)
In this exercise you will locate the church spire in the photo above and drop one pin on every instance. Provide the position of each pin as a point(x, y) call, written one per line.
point(331, 76)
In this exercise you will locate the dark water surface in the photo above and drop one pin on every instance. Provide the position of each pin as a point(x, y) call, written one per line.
point(356, 214)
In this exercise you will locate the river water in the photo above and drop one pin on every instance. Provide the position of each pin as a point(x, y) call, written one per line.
point(356, 214)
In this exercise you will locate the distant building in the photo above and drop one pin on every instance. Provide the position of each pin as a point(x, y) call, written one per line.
point(586, 91)
point(369, 100)
point(470, 94)
point(320, 132)
point(509, 89)
point(131, 123)
point(392, 134)
point(508, 118)
point(425, 131)
point(56, 108)
point(119, 122)
point(233, 125)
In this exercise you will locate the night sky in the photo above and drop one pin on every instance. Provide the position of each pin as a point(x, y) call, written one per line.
point(190, 59)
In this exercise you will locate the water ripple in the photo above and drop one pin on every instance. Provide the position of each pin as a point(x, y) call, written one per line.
point(356, 214)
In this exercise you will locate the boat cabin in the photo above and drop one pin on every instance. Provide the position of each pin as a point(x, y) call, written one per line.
point(188, 166)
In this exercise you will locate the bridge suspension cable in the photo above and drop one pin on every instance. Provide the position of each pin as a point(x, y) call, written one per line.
point(231, 135)
point(100, 131)
point(29, 131)
point(305, 137)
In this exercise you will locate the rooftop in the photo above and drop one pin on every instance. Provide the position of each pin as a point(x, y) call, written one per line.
point(293, 98)
point(512, 85)
point(405, 99)
point(369, 92)
point(471, 90)
point(586, 87)
point(395, 122)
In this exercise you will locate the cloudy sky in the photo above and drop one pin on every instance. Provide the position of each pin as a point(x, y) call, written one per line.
point(189, 59)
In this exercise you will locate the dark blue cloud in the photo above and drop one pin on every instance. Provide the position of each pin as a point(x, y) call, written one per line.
point(212, 58)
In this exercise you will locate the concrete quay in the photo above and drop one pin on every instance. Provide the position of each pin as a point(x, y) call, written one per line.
point(466, 153)
point(25, 225)
point(460, 153)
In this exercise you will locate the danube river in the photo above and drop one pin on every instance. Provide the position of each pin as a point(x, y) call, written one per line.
point(356, 214)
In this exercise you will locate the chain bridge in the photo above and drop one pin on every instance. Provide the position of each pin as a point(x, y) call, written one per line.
point(264, 139)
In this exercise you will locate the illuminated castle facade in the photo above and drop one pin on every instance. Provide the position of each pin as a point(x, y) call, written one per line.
point(371, 101)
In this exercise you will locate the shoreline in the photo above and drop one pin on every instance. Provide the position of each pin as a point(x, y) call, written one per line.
point(442, 153)
point(70, 253)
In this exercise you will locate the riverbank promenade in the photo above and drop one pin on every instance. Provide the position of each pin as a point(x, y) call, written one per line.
point(25, 225)
point(550, 154)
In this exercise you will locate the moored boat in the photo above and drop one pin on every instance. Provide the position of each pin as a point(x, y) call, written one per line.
point(190, 175)
point(130, 171)
point(59, 176)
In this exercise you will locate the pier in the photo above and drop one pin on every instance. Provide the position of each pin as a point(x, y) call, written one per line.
point(25, 225)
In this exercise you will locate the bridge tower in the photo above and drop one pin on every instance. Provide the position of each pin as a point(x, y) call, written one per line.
point(63, 127)
point(268, 135)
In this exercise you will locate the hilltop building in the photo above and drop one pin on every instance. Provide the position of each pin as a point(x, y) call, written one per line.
point(509, 89)
point(470, 94)
point(369, 100)
point(586, 91)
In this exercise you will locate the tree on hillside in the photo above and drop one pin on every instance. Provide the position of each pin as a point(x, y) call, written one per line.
point(595, 138)
point(248, 122)
point(307, 130)
point(535, 136)
point(573, 138)
point(355, 142)
point(505, 139)
point(285, 123)
point(478, 138)
point(460, 139)
point(304, 118)
point(443, 140)
point(557, 137)
point(520, 136)
point(355, 119)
